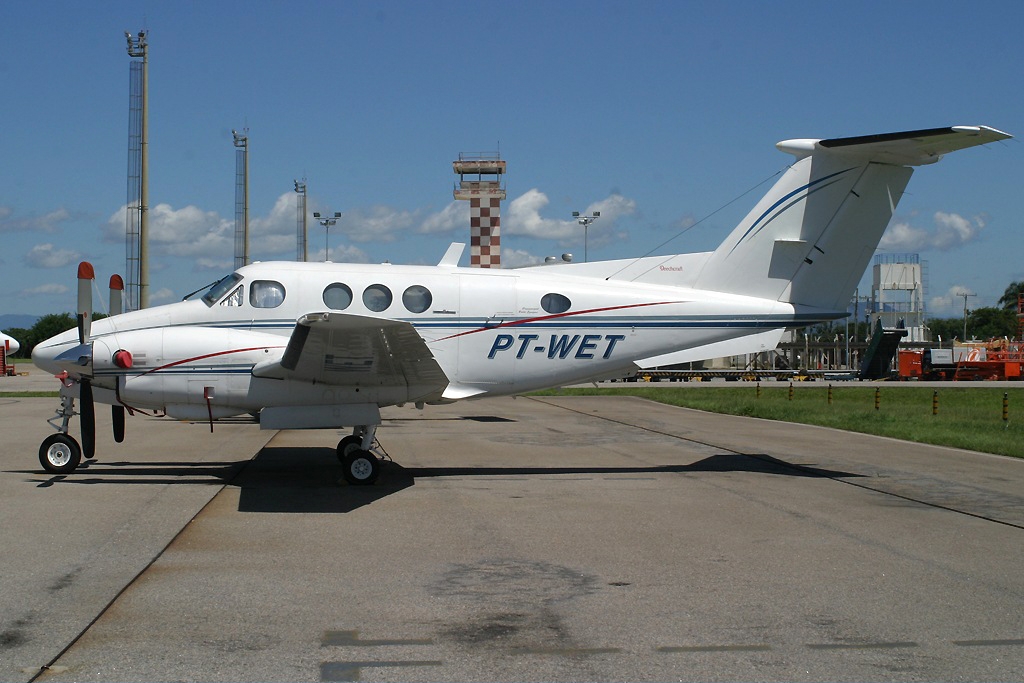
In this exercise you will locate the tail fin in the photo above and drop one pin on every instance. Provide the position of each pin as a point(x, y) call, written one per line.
point(809, 240)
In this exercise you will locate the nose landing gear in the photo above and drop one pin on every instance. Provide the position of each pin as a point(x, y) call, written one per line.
point(60, 453)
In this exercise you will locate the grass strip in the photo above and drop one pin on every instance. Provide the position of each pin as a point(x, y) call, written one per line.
point(970, 417)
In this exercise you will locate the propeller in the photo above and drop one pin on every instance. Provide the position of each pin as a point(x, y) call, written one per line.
point(88, 415)
point(88, 407)
point(85, 277)
point(117, 418)
point(116, 295)
point(122, 358)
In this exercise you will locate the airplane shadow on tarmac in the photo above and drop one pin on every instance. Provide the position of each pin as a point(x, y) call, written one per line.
point(299, 480)
point(307, 479)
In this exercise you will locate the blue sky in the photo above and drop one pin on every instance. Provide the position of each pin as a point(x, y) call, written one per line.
point(655, 113)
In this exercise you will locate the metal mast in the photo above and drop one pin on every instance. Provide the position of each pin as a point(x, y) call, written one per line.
point(241, 197)
point(300, 204)
point(137, 219)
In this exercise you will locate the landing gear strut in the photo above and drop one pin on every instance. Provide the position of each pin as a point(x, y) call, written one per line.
point(60, 453)
point(361, 467)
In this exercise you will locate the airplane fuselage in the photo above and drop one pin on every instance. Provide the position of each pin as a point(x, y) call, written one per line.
point(491, 332)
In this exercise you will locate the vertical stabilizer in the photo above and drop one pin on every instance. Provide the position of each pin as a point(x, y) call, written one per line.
point(808, 241)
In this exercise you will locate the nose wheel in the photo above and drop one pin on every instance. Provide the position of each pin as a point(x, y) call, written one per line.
point(60, 454)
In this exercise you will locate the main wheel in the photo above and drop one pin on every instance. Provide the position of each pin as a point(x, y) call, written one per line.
point(361, 467)
point(347, 445)
point(60, 454)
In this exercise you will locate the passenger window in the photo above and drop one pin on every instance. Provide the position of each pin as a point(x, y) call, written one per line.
point(377, 298)
point(338, 296)
point(234, 298)
point(555, 303)
point(417, 298)
point(266, 294)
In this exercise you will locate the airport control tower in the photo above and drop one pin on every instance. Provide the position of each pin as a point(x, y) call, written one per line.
point(484, 190)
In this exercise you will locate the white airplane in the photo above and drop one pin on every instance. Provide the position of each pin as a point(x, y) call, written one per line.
point(9, 343)
point(326, 345)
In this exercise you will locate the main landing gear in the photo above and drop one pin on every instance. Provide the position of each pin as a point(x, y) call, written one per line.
point(361, 466)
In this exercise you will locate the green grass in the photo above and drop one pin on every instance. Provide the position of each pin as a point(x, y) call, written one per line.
point(29, 394)
point(970, 417)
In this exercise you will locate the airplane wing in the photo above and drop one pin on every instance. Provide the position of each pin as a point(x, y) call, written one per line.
point(345, 350)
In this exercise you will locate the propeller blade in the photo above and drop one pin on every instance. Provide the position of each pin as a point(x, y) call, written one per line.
point(116, 295)
point(88, 415)
point(117, 417)
point(85, 277)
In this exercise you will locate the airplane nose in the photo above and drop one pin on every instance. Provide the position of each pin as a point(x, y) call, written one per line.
point(44, 355)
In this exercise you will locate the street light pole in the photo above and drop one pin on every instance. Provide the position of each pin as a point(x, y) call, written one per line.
point(965, 295)
point(585, 221)
point(327, 222)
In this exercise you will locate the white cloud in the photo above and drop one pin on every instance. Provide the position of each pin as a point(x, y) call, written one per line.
point(43, 290)
point(951, 303)
point(48, 256)
point(189, 231)
point(342, 254)
point(162, 296)
point(524, 219)
point(516, 258)
point(453, 217)
point(950, 231)
point(46, 223)
point(220, 265)
point(375, 224)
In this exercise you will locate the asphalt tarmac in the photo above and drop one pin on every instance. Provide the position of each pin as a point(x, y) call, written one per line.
point(569, 539)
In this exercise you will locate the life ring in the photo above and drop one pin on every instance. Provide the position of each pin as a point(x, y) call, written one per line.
point(974, 355)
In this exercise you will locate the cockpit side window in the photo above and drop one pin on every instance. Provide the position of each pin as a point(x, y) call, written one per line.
point(266, 294)
point(234, 298)
point(221, 288)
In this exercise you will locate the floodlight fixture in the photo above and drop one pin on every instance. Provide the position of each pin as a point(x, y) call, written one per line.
point(585, 221)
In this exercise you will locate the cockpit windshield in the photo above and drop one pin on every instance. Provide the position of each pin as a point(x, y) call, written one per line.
point(221, 288)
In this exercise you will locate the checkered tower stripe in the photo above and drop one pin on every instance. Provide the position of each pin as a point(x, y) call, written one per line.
point(485, 232)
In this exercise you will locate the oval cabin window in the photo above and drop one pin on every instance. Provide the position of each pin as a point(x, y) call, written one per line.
point(377, 298)
point(337, 296)
point(555, 303)
point(417, 298)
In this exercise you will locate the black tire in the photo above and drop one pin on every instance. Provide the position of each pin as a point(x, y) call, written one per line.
point(361, 467)
point(347, 445)
point(60, 454)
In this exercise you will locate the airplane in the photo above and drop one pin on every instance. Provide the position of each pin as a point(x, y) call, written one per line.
point(9, 343)
point(327, 345)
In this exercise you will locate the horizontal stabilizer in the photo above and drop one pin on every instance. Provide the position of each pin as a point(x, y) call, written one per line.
point(753, 343)
point(909, 148)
